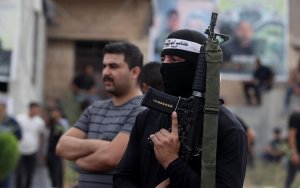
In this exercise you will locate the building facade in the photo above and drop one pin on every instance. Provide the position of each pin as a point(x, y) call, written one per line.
point(81, 28)
point(26, 77)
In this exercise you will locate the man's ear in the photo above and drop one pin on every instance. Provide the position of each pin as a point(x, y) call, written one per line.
point(144, 87)
point(135, 72)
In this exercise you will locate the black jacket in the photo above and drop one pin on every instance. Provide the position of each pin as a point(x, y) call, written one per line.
point(139, 167)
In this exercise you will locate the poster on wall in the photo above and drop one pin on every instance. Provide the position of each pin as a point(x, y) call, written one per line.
point(8, 28)
point(171, 15)
point(257, 29)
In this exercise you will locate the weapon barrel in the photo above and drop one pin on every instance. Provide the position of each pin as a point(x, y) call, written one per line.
point(213, 21)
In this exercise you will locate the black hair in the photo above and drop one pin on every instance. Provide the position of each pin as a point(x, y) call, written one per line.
point(151, 75)
point(277, 130)
point(172, 12)
point(132, 54)
point(34, 104)
point(84, 104)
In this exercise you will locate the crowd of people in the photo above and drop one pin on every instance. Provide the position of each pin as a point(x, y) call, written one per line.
point(37, 131)
point(116, 142)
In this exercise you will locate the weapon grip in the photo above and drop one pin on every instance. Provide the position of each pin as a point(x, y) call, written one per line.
point(200, 74)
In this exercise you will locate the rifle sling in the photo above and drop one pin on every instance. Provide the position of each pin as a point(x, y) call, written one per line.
point(213, 55)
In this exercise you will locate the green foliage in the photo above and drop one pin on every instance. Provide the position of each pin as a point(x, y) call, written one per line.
point(9, 155)
point(72, 108)
point(71, 176)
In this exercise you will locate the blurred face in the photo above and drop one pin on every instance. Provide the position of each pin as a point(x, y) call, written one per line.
point(35, 111)
point(244, 32)
point(56, 114)
point(277, 136)
point(2, 108)
point(257, 63)
point(173, 22)
point(89, 70)
point(116, 74)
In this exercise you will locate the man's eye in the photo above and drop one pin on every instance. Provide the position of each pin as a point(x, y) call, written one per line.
point(177, 60)
point(113, 66)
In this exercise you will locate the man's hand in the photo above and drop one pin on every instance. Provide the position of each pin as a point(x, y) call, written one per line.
point(164, 184)
point(106, 157)
point(166, 144)
point(297, 90)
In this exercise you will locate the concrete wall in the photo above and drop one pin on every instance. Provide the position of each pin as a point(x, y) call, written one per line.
point(232, 92)
point(294, 30)
point(59, 67)
point(294, 17)
point(100, 20)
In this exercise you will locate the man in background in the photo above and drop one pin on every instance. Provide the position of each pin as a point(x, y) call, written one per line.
point(275, 151)
point(99, 138)
point(293, 85)
point(151, 77)
point(84, 85)
point(31, 145)
point(57, 126)
point(262, 80)
point(9, 124)
point(294, 144)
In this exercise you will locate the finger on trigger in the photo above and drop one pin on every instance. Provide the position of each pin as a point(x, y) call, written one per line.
point(174, 123)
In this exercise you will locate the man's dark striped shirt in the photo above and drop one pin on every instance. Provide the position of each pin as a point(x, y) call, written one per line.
point(103, 120)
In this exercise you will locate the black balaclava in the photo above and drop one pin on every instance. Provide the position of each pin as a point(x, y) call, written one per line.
point(178, 77)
